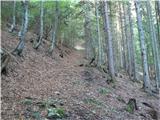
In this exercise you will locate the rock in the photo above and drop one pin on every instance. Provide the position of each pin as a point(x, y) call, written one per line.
point(81, 65)
point(57, 93)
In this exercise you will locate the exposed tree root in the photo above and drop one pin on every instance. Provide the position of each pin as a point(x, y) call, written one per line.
point(5, 58)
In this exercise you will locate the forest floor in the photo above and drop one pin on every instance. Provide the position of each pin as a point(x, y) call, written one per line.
point(36, 83)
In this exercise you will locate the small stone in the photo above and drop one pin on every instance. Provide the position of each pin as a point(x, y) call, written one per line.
point(57, 93)
point(61, 104)
point(44, 113)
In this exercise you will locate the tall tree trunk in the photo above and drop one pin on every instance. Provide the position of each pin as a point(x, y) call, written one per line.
point(123, 63)
point(132, 47)
point(113, 25)
point(54, 29)
point(88, 35)
point(87, 30)
point(157, 8)
point(128, 52)
point(146, 78)
point(118, 39)
point(109, 41)
point(24, 28)
point(154, 43)
point(14, 17)
point(98, 36)
point(40, 36)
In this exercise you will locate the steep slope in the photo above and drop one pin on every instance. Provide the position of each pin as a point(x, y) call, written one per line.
point(81, 91)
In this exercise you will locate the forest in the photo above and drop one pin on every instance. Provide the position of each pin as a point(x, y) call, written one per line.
point(80, 60)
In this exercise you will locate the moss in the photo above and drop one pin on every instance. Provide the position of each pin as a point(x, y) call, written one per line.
point(129, 109)
point(36, 115)
point(27, 101)
point(104, 91)
point(131, 106)
point(92, 101)
point(55, 113)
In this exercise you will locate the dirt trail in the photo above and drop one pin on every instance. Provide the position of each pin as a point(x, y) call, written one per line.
point(82, 91)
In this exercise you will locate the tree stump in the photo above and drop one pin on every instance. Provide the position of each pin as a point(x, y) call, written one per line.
point(131, 105)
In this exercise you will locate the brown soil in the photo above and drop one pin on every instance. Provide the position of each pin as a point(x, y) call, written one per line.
point(81, 91)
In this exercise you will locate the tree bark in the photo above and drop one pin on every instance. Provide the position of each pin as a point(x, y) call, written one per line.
point(154, 43)
point(40, 37)
point(122, 38)
point(128, 52)
point(157, 8)
point(112, 7)
point(88, 35)
point(14, 17)
point(98, 36)
point(23, 30)
point(54, 29)
point(132, 46)
point(146, 78)
point(109, 41)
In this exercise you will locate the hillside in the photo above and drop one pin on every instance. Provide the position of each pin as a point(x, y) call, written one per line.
point(81, 91)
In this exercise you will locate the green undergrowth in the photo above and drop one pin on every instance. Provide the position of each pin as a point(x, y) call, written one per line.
point(129, 108)
point(93, 101)
point(27, 101)
point(54, 111)
point(104, 91)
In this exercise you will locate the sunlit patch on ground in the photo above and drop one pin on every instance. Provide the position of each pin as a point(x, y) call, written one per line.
point(78, 47)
